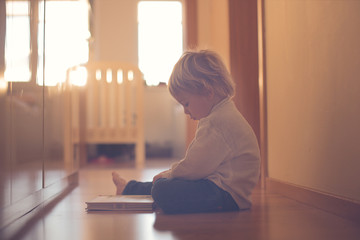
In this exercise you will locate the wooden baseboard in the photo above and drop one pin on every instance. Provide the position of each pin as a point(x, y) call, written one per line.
point(336, 205)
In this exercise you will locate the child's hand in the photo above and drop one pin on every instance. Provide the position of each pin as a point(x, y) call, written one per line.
point(164, 174)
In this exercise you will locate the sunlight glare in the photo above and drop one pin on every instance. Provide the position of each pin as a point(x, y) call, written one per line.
point(3, 86)
point(78, 77)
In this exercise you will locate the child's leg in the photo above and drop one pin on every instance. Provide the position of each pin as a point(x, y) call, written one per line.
point(183, 196)
point(137, 188)
point(132, 187)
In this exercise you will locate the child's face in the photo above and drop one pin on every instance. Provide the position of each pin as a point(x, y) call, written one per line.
point(196, 106)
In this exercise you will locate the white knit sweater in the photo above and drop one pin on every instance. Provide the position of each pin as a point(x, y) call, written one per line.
point(225, 151)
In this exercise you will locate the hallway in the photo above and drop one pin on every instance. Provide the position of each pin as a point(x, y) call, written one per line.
point(272, 217)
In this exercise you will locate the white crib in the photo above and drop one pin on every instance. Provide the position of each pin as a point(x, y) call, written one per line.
point(109, 108)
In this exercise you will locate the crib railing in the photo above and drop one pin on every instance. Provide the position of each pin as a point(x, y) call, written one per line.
point(109, 108)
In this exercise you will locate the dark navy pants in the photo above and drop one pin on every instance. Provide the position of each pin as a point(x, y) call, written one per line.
point(184, 196)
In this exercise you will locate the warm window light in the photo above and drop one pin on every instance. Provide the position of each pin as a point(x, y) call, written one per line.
point(160, 38)
point(66, 45)
point(17, 74)
point(109, 75)
point(17, 42)
point(98, 74)
point(130, 75)
point(120, 78)
point(67, 32)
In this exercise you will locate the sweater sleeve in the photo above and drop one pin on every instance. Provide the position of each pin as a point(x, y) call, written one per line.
point(205, 154)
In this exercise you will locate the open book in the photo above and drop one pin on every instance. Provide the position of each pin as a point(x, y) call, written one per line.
point(121, 203)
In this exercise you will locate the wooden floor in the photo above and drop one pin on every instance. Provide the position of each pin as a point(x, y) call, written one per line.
point(272, 217)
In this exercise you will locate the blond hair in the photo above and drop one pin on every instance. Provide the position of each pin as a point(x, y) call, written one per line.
point(199, 72)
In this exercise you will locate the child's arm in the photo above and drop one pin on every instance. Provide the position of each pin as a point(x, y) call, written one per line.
point(164, 174)
point(203, 157)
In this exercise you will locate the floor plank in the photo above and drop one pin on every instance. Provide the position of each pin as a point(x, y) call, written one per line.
point(272, 217)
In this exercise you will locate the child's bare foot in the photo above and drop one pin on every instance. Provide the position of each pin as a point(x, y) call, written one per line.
point(119, 182)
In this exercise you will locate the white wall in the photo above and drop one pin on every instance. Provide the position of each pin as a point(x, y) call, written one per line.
point(115, 31)
point(313, 84)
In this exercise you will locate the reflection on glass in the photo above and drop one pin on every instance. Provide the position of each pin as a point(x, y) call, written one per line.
point(35, 133)
point(4, 119)
point(25, 103)
point(17, 50)
point(66, 45)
